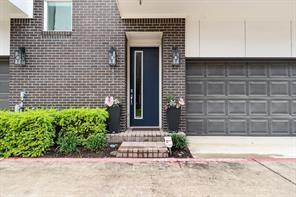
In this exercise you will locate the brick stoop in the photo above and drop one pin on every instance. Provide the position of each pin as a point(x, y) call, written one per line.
point(143, 150)
point(141, 135)
point(140, 143)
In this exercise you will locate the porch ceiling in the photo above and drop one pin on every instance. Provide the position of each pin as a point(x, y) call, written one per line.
point(208, 9)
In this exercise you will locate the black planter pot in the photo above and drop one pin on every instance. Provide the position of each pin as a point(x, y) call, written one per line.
point(173, 118)
point(113, 123)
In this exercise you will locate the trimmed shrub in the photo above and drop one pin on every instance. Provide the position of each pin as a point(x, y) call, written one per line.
point(81, 123)
point(179, 141)
point(68, 143)
point(95, 142)
point(26, 134)
point(33, 132)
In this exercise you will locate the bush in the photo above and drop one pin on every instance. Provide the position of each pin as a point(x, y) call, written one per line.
point(32, 133)
point(95, 142)
point(179, 141)
point(26, 134)
point(68, 143)
point(82, 123)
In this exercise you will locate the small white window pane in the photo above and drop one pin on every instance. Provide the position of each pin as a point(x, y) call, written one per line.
point(59, 16)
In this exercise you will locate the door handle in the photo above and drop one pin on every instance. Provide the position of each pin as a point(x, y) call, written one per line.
point(132, 96)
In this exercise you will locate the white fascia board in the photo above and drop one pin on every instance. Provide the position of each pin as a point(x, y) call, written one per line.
point(24, 6)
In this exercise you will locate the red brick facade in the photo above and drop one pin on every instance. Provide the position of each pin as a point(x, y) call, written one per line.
point(70, 69)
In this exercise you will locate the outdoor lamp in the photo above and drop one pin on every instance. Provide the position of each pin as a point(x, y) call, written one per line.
point(20, 56)
point(112, 56)
point(176, 56)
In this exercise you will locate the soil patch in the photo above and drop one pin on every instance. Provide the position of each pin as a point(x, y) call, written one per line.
point(109, 151)
point(83, 153)
point(184, 153)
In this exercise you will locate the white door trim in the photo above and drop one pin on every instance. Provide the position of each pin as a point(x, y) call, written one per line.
point(144, 39)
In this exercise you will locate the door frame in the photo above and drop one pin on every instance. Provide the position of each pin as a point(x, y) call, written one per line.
point(145, 42)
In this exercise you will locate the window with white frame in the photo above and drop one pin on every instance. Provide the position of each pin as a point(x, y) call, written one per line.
point(58, 15)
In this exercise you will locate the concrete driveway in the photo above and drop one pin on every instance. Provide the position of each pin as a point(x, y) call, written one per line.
point(192, 177)
point(236, 146)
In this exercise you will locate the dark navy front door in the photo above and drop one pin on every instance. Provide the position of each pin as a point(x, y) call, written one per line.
point(144, 86)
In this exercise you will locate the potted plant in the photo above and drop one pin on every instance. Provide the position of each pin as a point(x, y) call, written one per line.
point(173, 112)
point(113, 108)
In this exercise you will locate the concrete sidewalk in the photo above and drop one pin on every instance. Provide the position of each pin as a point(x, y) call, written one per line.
point(233, 146)
point(191, 177)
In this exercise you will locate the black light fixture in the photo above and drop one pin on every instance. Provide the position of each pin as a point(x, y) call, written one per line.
point(20, 56)
point(175, 56)
point(112, 56)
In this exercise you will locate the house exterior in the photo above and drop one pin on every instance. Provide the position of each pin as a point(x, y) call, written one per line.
point(236, 69)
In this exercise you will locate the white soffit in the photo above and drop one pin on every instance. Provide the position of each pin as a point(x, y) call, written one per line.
point(142, 38)
point(208, 9)
point(15, 9)
point(24, 6)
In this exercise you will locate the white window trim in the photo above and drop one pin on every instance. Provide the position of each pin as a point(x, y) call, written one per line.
point(45, 28)
point(135, 85)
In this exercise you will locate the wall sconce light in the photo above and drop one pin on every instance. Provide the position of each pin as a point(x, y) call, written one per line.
point(112, 56)
point(176, 56)
point(20, 56)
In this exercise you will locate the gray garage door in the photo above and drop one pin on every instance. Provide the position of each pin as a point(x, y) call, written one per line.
point(241, 97)
point(4, 80)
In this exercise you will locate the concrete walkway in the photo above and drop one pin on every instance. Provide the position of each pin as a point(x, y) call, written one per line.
point(191, 177)
point(233, 146)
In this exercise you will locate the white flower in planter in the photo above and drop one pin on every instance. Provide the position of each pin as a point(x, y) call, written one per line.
point(181, 101)
point(109, 101)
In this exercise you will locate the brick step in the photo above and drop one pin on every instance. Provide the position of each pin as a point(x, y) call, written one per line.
point(137, 136)
point(142, 150)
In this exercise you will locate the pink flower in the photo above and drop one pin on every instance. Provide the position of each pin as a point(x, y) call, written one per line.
point(181, 101)
point(109, 101)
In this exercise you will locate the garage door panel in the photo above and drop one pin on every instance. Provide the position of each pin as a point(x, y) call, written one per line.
point(293, 88)
point(196, 107)
point(294, 70)
point(259, 108)
point(216, 126)
point(216, 88)
point(237, 70)
point(195, 88)
point(237, 88)
point(257, 70)
point(216, 107)
point(293, 107)
point(279, 88)
point(216, 70)
point(237, 126)
point(192, 70)
point(4, 82)
point(259, 126)
point(237, 107)
point(242, 98)
point(280, 126)
point(280, 107)
point(294, 126)
point(258, 88)
point(279, 70)
point(195, 126)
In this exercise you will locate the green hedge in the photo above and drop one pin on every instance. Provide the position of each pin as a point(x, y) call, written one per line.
point(32, 133)
point(81, 127)
point(27, 134)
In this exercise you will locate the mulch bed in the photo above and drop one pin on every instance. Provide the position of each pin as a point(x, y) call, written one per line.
point(185, 153)
point(83, 153)
point(106, 152)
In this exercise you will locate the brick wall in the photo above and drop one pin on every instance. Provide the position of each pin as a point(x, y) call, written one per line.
point(71, 69)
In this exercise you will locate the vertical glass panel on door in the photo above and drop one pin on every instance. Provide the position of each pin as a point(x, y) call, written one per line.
point(138, 85)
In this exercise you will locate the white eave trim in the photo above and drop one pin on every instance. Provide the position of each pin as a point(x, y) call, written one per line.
point(24, 6)
point(144, 38)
